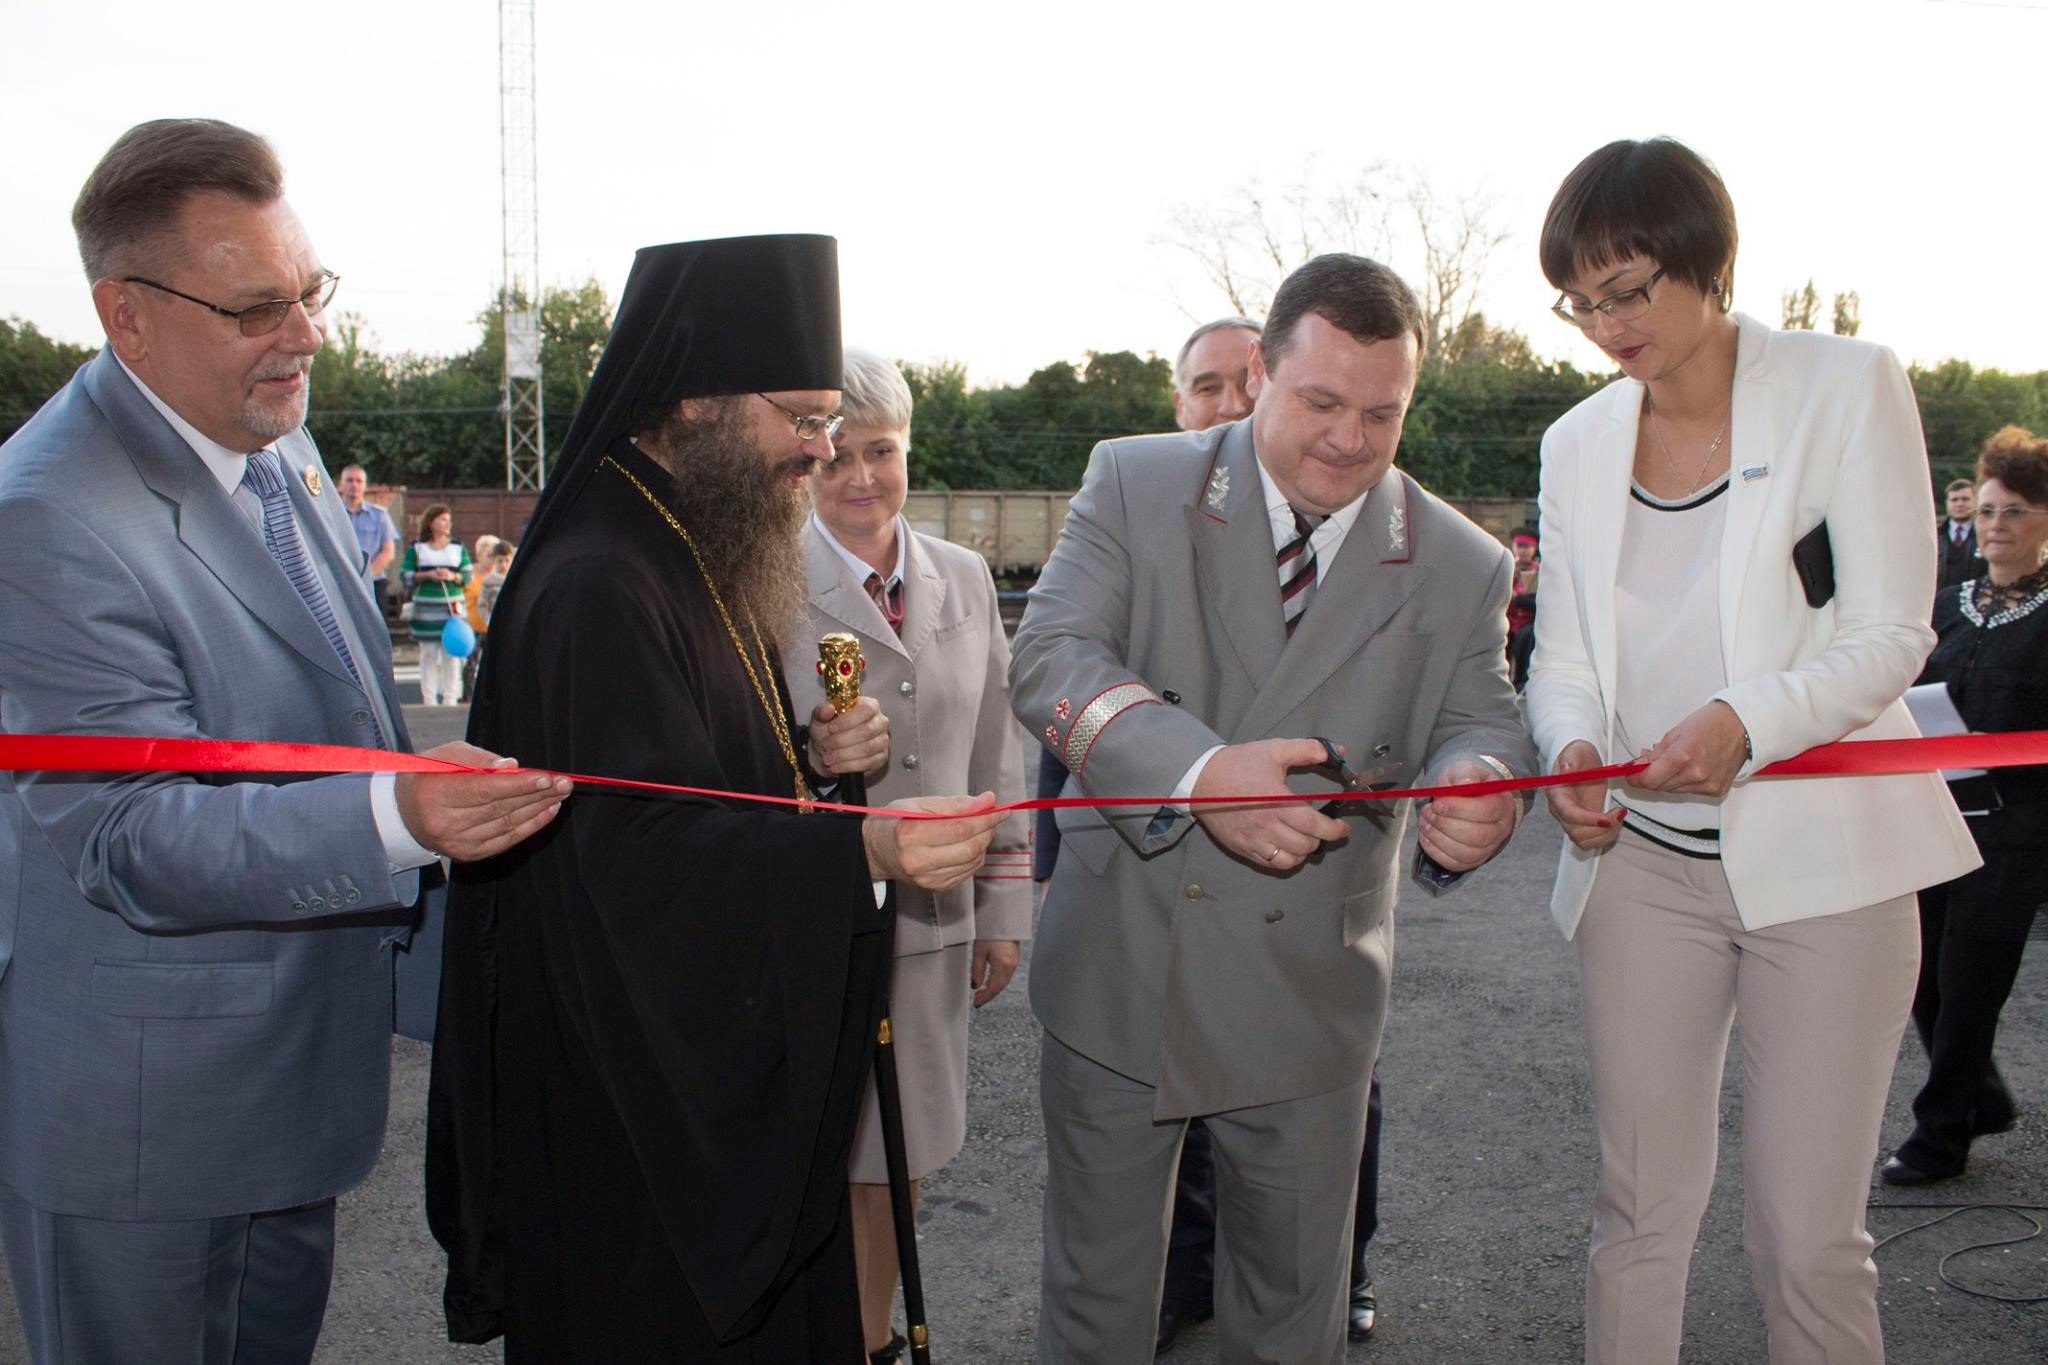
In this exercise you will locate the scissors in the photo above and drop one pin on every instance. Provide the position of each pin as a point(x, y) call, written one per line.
point(1372, 780)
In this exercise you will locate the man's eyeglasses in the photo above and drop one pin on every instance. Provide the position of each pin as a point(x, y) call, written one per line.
point(808, 427)
point(1623, 306)
point(259, 319)
point(1992, 515)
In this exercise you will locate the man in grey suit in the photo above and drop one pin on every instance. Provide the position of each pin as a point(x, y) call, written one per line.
point(195, 1011)
point(1219, 603)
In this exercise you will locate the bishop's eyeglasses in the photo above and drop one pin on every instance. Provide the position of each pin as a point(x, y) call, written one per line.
point(808, 427)
point(258, 319)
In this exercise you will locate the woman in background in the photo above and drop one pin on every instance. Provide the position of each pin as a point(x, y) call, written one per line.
point(937, 661)
point(435, 570)
point(1691, 610)
point(1992, 653)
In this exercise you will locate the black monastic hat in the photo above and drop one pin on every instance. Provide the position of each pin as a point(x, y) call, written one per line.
point(699, 320)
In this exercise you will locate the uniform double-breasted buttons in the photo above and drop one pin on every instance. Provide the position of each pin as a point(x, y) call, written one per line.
point(1275, 916)
point(907, 688)
point(910, 760)
point(1193, 891)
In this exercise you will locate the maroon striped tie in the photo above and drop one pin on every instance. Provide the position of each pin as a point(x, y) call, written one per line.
point(1297, 560)
point(889, 599)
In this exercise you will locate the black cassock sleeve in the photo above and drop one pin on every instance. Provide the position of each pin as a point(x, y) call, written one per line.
point(710, 969)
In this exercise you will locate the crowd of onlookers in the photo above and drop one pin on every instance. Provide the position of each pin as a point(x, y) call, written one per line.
point(445, 581)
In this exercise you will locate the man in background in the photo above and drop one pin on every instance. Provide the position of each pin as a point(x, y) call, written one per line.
point(1960, 561)
point(374, 531)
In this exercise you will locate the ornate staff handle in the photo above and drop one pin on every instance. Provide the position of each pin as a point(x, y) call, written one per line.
point(840, 667)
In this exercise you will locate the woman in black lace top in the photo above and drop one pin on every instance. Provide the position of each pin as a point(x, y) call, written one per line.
point(1993, 654)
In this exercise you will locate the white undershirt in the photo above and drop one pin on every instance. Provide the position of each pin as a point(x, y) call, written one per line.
point(859, 567)
point(227, 466)
point(1667, 614)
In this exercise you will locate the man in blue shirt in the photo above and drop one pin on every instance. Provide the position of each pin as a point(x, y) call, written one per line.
point(374, 531)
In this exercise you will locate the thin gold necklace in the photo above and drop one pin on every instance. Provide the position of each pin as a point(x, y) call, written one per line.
point(1657, 430)
point(774, 712)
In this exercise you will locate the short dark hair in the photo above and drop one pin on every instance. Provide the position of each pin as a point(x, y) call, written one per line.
point(1961, 484)
point(1658, 199)
point(132, 199)
point(427, 515)
point(2018, 459)
point(1361, 298)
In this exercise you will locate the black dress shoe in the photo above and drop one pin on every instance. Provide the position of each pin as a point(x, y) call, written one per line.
point(1175, 1314)
point(1899, 1171)
point(1365, 1309)
point(1989, 1121)
point(891, 1353)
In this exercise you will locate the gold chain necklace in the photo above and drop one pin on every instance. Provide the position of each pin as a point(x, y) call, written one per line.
point(1657, 430)
point(775, 717)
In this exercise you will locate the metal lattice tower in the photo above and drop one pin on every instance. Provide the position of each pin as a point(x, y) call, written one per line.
point(520, 294)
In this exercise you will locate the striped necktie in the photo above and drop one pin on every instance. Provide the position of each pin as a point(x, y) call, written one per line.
point(1297, 560)
point(281, 537)
point(889, 600)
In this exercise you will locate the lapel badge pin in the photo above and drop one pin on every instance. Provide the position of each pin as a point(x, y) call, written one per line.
point(1752, 472)
point(1219, 489)
point(1397, 529)
point(313, 479)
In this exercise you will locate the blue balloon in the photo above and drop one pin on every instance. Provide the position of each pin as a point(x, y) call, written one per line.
point(458, 638)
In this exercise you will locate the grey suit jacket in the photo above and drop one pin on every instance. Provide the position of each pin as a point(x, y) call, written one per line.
point(943, 683)
point(195, 1009)
point(1155, 633)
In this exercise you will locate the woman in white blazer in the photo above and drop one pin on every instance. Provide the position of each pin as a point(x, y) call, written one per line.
point(1738, 565)
point(938, 663)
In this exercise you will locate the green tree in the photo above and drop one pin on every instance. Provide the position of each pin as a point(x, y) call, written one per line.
point(1800, 311)
point(32, 367)
point(1848, 314)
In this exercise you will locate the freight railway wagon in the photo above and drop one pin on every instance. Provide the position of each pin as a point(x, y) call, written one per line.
point(1013, 530)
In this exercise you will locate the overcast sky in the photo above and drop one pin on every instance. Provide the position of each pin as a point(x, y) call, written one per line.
point(1003, 178)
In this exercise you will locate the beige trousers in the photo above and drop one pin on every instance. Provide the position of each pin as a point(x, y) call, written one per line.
point(1286, 1185)
point(1665, 966)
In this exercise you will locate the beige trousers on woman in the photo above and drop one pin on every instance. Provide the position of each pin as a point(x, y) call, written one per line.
point(1665, 966)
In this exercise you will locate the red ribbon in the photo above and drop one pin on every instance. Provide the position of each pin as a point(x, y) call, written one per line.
point(127, 754)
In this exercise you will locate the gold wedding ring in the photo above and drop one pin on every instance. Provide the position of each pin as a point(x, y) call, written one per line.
point(1273, 854)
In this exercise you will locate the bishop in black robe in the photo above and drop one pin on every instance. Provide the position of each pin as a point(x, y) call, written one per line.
point(656, 1018)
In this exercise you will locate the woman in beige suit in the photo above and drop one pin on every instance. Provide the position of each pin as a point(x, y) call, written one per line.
point(1738, 565)
point(937, 661)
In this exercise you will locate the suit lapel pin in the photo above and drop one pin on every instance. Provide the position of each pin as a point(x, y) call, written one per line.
point(1219, 489)
point(313, 479)
point(1752, 472)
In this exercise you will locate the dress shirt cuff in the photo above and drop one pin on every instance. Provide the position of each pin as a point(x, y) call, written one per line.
point(401, 850)
point(1185, 788)
point(1173, 813)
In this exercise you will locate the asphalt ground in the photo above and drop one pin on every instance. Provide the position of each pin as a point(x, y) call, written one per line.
point(1487, 1175)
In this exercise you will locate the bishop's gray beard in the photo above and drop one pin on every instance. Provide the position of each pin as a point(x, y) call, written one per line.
point(744, 515)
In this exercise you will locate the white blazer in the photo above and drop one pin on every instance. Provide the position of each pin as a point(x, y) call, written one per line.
point(1823, 428)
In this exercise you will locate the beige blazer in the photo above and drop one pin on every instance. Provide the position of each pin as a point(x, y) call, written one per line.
point(1153, 634)
point(1824, 428)
point(943, 685)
